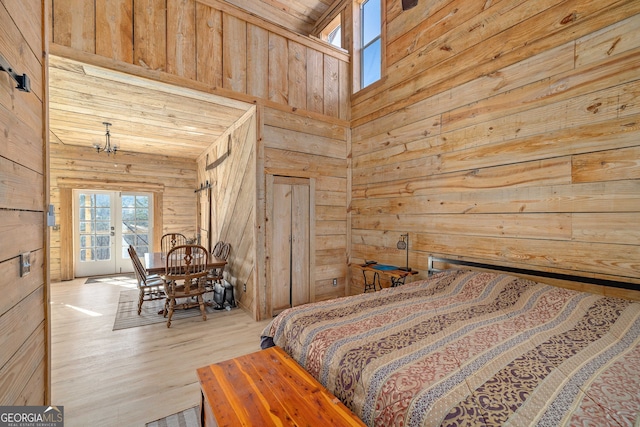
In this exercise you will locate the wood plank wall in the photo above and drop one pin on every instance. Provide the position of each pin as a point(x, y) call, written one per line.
point(309, 147)
point(288, 144)
point(172, 179)
point(233, 50)
point(24, 321)
point(505, 132)
point(233, 205)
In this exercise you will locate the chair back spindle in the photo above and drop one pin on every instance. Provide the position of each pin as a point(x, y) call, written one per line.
point(171, 240)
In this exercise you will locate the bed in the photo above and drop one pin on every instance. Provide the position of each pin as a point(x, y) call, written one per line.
point(469, 348)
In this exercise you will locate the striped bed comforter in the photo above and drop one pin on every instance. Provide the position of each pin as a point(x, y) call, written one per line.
point(472, 348)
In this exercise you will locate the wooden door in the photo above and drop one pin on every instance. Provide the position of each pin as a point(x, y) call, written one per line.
point(289, 246)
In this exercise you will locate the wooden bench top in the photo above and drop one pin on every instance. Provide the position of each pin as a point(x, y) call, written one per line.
point(268, 387)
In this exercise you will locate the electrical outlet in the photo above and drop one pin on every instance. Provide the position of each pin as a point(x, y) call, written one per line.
point(335, 282)
point(25, 263)
point(244, 288)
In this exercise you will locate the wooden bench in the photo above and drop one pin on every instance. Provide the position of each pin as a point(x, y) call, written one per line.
point(267, 388)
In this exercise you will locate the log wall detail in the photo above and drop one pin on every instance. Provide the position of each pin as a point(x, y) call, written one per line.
point(510, 140)
point(24, 321)
point(233, 50)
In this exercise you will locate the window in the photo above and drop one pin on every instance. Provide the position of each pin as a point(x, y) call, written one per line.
point(332, 33)
point(335, 37)
point(371, 42)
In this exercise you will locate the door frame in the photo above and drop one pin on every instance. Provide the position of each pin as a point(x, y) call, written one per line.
point(270, 178)
point(67, 185)
point(119, 262)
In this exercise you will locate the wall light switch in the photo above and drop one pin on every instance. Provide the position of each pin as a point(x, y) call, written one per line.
point(25, 263)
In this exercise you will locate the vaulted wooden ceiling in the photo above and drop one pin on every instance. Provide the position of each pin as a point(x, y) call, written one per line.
point(297, 15)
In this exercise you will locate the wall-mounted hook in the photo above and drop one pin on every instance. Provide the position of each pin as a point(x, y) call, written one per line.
point(23, 81)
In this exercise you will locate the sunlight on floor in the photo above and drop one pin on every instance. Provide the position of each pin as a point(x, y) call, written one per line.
point(79, 309)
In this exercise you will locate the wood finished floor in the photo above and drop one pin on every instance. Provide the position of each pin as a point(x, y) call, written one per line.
point(132, 376)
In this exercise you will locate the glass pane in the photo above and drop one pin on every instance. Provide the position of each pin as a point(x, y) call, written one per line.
point(128, 239)
point(103, 200)
point(371, 21)
point(87, 200)
point(142, 202)
point(103, 213)
point(86, 255)
point(103, 254)
point(128, 201)
point(371, 63)
point(142, 249)
point(128, 214)
point(85, 227)
point(87, 241)
point(102, 227)
point(86, 213)
point(103, 240)
point(335, 38)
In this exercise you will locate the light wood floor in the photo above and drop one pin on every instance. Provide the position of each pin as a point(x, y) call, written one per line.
point(133, 376)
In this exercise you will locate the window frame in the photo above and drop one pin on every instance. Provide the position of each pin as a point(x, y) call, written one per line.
point(359, 47)
point(330, 28)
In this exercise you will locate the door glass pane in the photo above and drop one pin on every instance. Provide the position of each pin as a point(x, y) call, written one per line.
point(95, 227)
point(135, 223)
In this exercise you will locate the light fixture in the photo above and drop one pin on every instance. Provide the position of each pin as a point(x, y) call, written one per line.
point(403, 243)
point(108, 148)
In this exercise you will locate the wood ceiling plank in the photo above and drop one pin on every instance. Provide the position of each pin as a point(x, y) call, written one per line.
point(146, 115)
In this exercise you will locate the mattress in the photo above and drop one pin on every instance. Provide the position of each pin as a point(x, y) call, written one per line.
point(472, 348)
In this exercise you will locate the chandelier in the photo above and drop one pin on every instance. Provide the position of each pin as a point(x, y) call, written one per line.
point(108, 148)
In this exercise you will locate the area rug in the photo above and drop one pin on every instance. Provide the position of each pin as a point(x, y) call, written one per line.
point(127, 314)
point(187, 418)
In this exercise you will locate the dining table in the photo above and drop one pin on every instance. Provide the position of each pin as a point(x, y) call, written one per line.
point(156, 262)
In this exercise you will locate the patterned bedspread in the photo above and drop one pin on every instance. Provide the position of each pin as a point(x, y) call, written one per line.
point(472, 349)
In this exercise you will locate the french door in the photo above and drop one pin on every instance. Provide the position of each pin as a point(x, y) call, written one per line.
point(105, 224)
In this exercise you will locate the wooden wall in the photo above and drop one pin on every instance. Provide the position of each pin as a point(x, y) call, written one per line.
point(308, 147)
point(233, 50)
point(505, 132)
point(280, 142)
point(171, 179)
point(24, 321)
point(233, 205)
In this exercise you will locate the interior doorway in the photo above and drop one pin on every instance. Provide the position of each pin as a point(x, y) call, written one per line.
point(290, 242)
point(105, 224)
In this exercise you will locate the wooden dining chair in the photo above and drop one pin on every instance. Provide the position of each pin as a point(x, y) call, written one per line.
point(185, 279)
point(171, 240)
point(150, 288)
